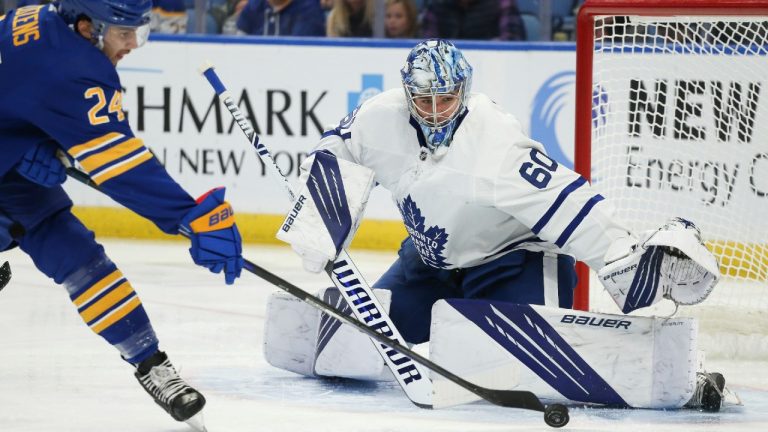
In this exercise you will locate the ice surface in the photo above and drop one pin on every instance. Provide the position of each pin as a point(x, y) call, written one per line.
point(55, 375)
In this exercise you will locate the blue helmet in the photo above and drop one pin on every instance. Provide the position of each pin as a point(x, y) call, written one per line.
point(105, 13)
point(436, 69)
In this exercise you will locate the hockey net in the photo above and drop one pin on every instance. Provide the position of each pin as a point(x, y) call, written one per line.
point(672, 120)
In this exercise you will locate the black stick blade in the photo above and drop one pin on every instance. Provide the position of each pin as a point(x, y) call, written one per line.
point(511, 398)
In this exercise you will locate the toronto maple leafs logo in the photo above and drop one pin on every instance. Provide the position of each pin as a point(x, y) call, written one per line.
point(429, 242)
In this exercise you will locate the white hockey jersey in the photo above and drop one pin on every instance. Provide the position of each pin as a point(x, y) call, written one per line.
point(492, 191)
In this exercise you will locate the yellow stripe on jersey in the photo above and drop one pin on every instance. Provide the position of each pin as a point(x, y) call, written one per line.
point(98, 160)
point(97, 288)
point(116, 315)
point(122, 167)
point(103, 304)
point(94, 144)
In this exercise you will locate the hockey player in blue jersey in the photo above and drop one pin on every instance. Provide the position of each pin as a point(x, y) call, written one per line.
point(61, 93)
point(491, 219)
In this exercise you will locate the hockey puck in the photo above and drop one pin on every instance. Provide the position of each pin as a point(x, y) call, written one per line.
point(556, 415)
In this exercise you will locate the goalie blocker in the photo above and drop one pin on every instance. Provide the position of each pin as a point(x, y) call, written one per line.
point(327, 210)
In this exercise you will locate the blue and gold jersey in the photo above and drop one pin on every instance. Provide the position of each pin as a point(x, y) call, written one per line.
point(56, 85)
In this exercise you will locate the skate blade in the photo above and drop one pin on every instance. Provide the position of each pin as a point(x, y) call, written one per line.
point(196, 422)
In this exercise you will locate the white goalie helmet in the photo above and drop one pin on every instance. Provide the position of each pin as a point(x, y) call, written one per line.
point(437, 80)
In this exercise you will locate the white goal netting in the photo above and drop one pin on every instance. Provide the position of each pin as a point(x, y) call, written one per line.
point(680, 128)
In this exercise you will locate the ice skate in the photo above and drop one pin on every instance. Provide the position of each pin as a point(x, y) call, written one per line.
point(159, 378)
point(708, 395)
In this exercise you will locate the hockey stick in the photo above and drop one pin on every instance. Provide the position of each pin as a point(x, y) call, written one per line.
point(343, 272)
point(555, 415)
point(5, 274)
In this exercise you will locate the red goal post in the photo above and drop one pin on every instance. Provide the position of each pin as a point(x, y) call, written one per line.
point(682, 28)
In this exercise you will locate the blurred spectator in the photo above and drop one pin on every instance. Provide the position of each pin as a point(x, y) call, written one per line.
point(611, 28)
point(326, 4)
point(168, 16)
point(210, 24)
point(401, 19)
point(282, 18)
point(350, 18)
point(229, 24)
point(473, 19)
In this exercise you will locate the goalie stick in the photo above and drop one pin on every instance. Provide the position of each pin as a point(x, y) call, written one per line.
point(555, 415)
point(343, 272)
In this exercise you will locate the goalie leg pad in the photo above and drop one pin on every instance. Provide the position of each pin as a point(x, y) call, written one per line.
point(563, 355)
point(302, 339)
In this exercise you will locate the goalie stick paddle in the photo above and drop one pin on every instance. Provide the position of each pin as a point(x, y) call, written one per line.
point(555, 415)
point(343, 273)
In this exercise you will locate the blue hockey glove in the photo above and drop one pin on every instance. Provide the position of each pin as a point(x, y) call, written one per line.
point(40, 165)
point(216, 242)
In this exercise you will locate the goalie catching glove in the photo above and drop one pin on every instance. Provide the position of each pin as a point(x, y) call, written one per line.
point(327, 210)
point(671, 262)
point(216, 242)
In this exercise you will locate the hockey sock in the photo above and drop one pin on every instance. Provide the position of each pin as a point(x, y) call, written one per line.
point(108, 304)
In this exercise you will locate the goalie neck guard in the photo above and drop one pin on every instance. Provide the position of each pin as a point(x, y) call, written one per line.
point(437, 79)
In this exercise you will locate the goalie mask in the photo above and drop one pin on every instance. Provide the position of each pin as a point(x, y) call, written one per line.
point(437, 79)
point(110, 18)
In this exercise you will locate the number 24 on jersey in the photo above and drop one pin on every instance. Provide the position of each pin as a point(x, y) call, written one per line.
point(96, 114)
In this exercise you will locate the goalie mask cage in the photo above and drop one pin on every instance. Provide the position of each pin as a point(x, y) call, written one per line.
point(672, 120)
